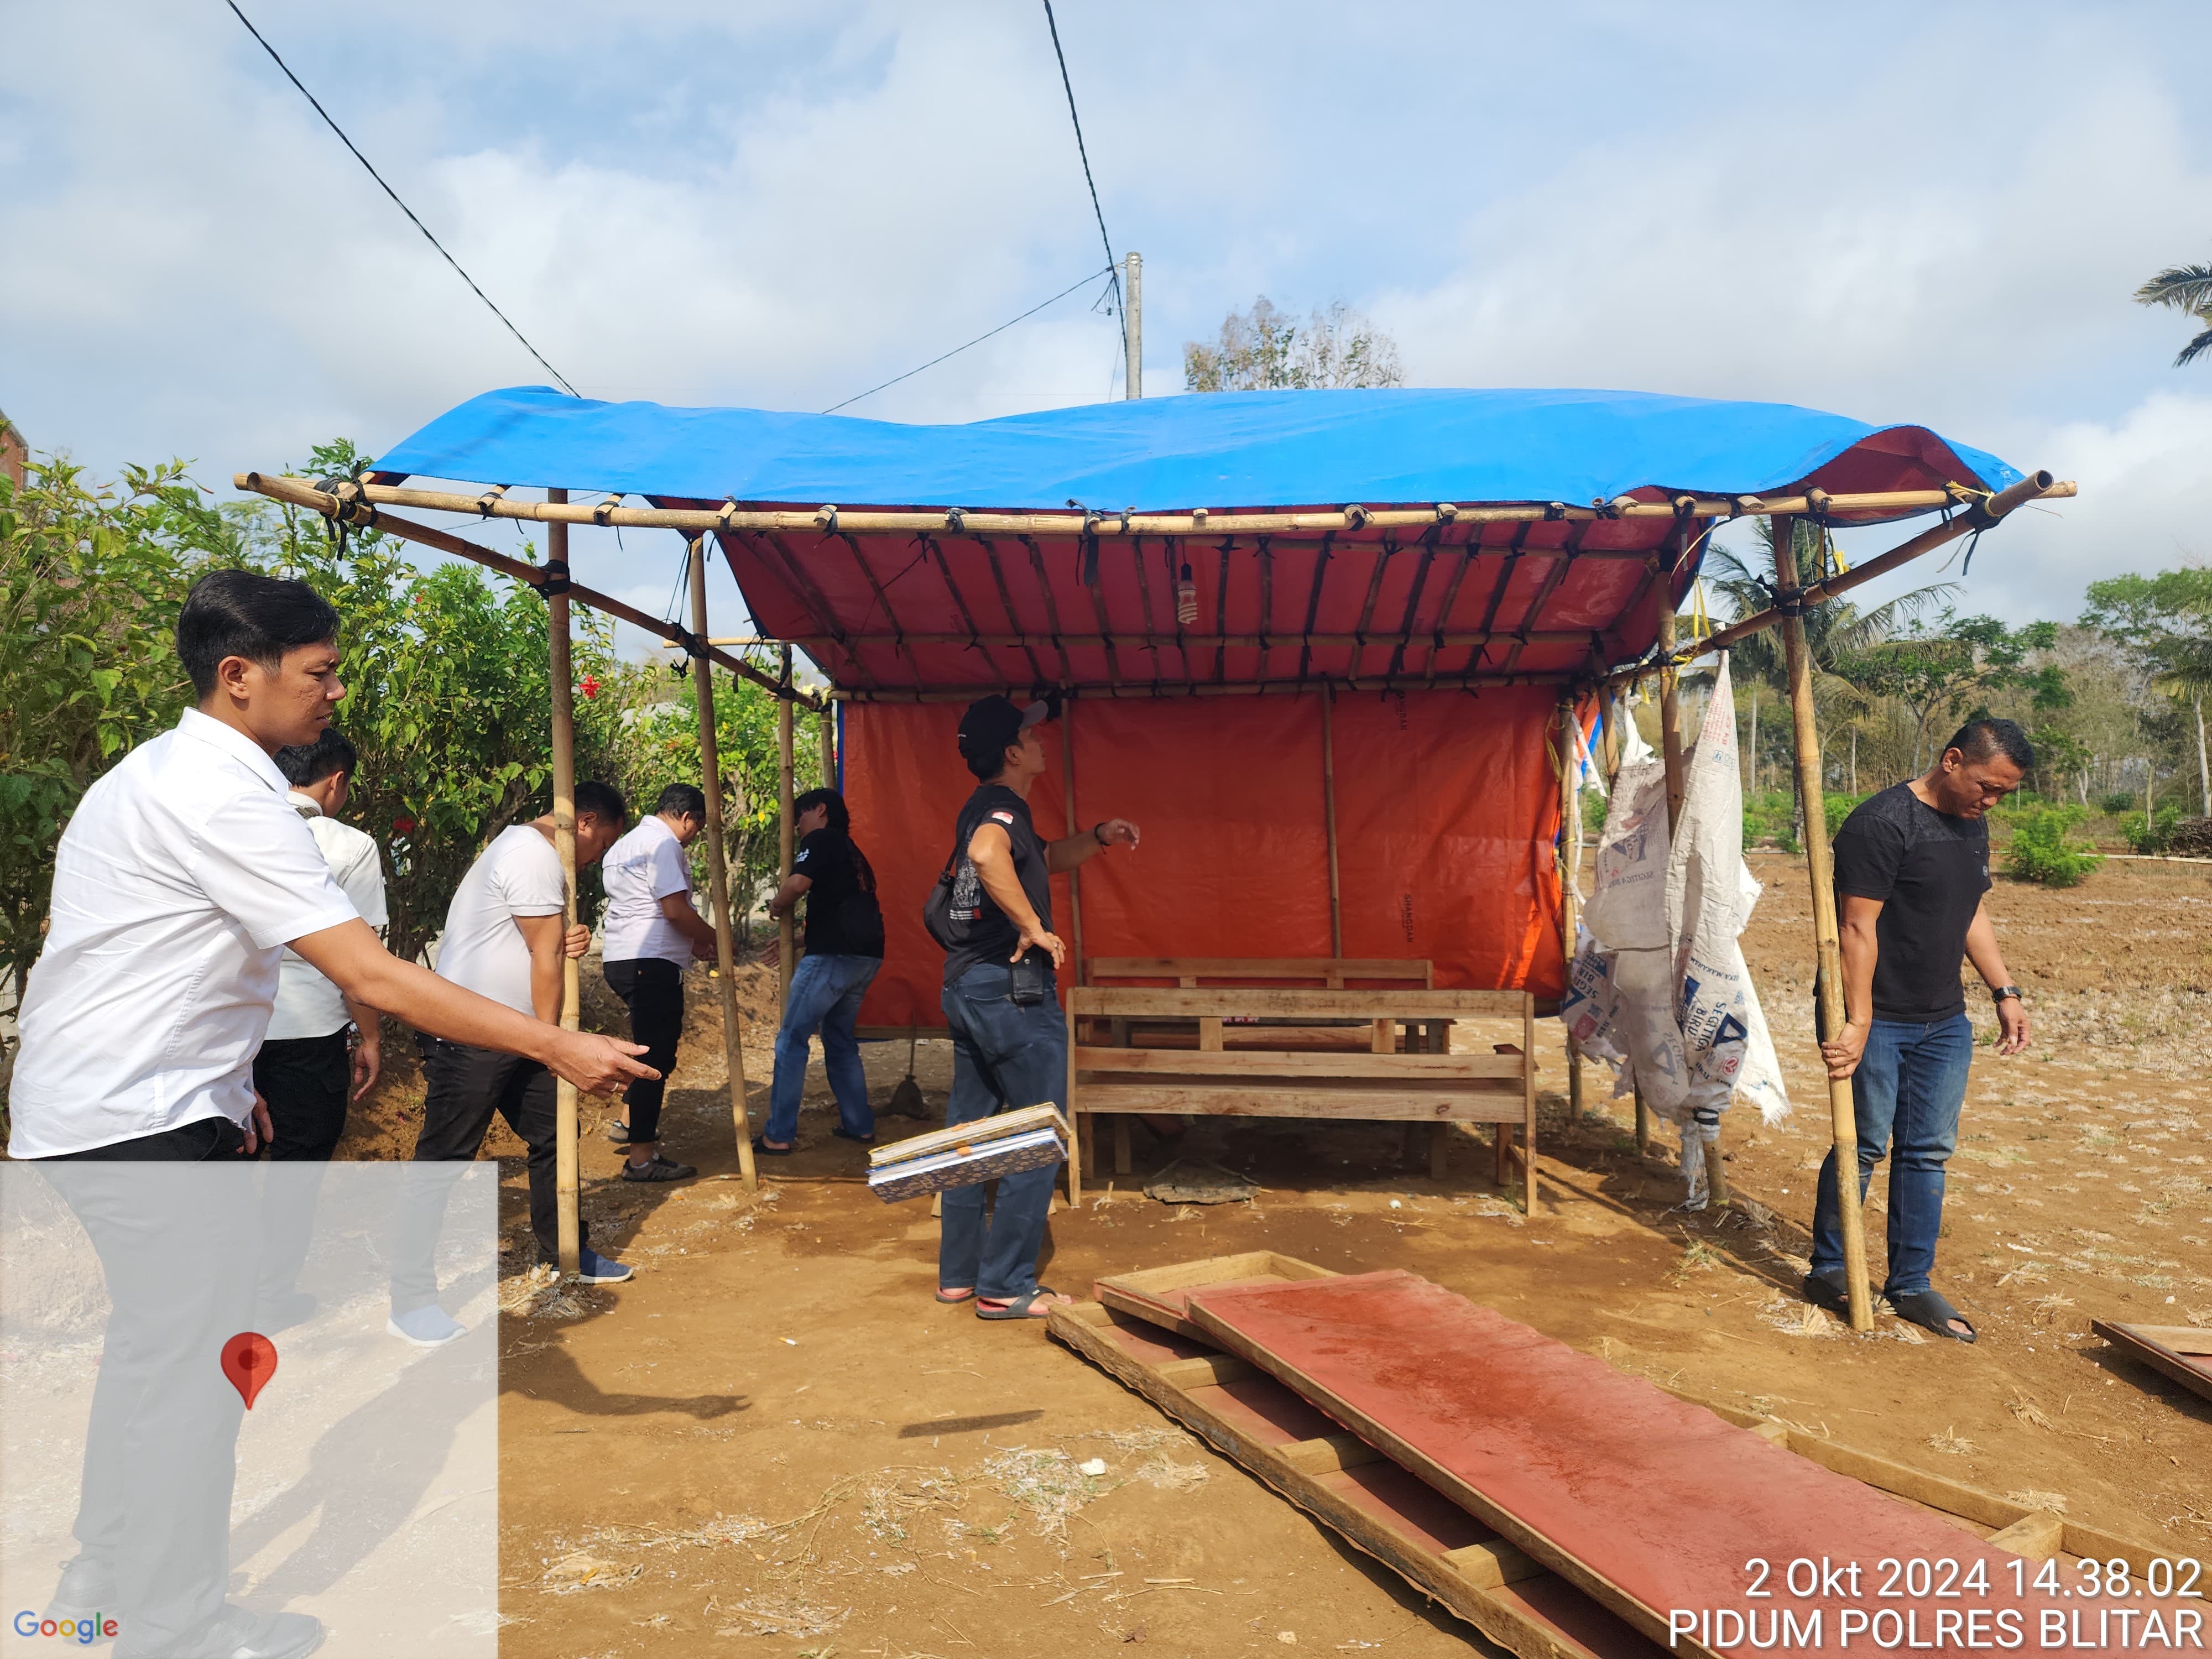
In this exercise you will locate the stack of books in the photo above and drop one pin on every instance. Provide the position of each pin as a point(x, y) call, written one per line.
point(968, 1155)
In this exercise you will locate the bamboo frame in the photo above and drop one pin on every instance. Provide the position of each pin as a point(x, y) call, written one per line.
point(1123, 692)
point(718, 878)
point(560, 677)
point(1075, 873)
point(866, 521)
point(1570, 892)
point(1843, 1110)
point(1329, 804)
point(787, 926)
point(301, 494)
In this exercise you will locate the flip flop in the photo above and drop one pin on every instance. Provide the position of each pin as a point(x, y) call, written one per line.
point(843, 1134)
point(1829, 1293)
point(760, 1145)
point(1928, 1311)
point(964, 1296)
point(1018, 1308)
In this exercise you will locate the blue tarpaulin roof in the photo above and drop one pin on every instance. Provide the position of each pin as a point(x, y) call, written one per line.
point(1246, 449)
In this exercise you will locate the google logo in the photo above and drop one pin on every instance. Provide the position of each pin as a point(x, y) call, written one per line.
point(98, 1627)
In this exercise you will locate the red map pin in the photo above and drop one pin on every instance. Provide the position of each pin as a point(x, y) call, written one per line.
point(249, 1360)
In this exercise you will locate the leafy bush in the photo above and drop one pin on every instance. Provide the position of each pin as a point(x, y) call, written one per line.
point(2147, 834)
point(2041, 851)
point(2117, 804)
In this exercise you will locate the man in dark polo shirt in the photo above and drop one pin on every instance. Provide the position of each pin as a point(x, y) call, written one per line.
point(1912, 865)
point(844, 946)
point(1009, 1037)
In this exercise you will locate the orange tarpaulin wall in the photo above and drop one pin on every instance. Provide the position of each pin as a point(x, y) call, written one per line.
point(1447, 810)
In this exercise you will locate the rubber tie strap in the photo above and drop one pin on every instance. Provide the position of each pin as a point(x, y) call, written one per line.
point(602, 512)
point(556, 580)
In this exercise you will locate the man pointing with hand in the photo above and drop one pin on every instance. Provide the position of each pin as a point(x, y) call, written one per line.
point(1009, 1038)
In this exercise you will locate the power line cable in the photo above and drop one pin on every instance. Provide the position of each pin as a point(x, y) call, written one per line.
point(977, 341)
point(402, 206)
point(1121, 309)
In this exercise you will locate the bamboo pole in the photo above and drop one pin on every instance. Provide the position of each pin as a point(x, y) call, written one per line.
point(1842, 1109)
point(1197, 522)
point(718, 878)
point(301, 494)
point(1074, 876)
point(787, 933)
point(1132, 315)
point(1328, 809)
point(1571, 834)
point(1179, 690)
point(560, 677)
point(825, 725)
point(1142, 640)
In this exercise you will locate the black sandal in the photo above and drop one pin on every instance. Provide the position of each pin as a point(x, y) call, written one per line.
point(760, 1145)
point(1018, 1308)
point(1831, 1293)
point(843, 1134)
point(1928, 1311)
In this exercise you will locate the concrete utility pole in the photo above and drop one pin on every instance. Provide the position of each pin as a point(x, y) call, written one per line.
point(1132, 315)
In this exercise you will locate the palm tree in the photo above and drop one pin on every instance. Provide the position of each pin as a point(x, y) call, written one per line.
point(1834, 632)
point(2187, 290)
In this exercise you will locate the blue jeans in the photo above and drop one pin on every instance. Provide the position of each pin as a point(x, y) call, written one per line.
point(1910, 1082)
point(825, 995)
point(1004, 1056)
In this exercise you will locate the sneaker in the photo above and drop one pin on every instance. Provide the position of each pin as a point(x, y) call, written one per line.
point(87, 1590)
point(239, 1634)
point(596, 1269)
point(658, 1168)
point(426, 1327)
point(618, 1132)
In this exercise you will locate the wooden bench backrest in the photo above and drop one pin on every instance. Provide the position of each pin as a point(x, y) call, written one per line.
point(1329, 972)
point(1262, 1002)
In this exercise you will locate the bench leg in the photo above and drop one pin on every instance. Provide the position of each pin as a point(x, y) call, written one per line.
point(1086, 1129)
point(1502, 1133)
point(1528, 1170)
point(1121, 1143)
point(1439, 1141)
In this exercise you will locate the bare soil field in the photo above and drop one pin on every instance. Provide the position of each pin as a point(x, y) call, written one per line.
point(774, 1442)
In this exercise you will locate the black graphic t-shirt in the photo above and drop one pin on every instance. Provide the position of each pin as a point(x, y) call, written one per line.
point(842, 919)
point(1930, 870)
point(990, 933)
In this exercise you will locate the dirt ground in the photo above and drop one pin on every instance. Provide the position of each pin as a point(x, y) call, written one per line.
point(829, 1463)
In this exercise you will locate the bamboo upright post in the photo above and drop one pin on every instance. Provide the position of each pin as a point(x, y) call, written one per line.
point(1133, 315)
point(1842, 1109)
point(1328, 809)
point(826, 725)
point(1078, 1124)
point(1571, 831)
point(1074, 877)
point(786, 935)
point(718, 877)
point(567, 1211)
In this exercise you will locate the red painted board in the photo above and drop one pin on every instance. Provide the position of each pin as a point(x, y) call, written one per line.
point(1639, 1497)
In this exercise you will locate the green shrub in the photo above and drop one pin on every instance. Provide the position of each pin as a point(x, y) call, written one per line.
point(2147, 834)
point(2117, 804)
point(2041, 851)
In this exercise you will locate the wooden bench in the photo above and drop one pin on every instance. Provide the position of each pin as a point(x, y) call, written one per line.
point(1401, 1076)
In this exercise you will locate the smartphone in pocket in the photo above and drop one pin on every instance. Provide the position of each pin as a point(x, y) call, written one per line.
point(1028, 982)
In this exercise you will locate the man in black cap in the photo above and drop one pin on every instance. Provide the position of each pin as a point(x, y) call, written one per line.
point(1009, 1038)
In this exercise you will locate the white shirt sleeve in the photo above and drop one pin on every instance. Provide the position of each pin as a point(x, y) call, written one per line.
point(361, 880)
point(671, 870)
point(257, 862)
point(529, 880)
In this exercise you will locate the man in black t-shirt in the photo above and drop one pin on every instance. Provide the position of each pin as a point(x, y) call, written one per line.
point(1912, 865)
point(844, 944)
point(1009, 1038)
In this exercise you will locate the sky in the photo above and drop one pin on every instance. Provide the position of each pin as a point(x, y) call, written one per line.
point(1897, 212)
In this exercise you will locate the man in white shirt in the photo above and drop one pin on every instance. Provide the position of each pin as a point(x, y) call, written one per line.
point(504, 939)
point(179, 880)
point(304, 1070)
point(650, 933)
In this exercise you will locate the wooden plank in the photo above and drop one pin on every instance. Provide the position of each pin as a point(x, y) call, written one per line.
point(1157, 1295)
point(1332, 1452)
point(1321, 968)
point(2038, 1537)
point(1359, 1101)
point(1951, 1497)
point(1533, 1617)
point(1642, 1503)
point(1494, 1563)
point(1253, 1002)
point(1214, 1368)
point(1120, 1146)
point(1297, 1063)
point(2154, 1345)
point(1209, 1036)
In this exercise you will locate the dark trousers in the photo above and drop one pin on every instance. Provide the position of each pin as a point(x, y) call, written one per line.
point(1006, 1055)
point(178, 1245)
point(654, 989)
point(462, 1087)
point(306, 1081)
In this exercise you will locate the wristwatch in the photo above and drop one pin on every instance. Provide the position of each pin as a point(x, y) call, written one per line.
point(1999, 993)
